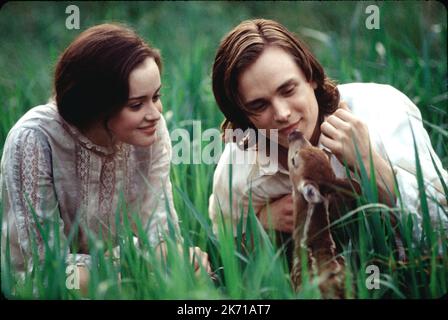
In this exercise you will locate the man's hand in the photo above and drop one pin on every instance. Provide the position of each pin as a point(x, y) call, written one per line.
point(341, 132)
point(281, 214)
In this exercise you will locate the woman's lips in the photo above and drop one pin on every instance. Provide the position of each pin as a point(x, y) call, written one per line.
point(286, 131)
point(148, 129)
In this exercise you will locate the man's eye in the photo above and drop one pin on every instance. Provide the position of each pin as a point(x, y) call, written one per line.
point(136, 106)
point(289, 91)
point(258, 106)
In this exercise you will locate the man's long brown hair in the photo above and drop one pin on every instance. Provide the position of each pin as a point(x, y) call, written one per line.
point(241, 47)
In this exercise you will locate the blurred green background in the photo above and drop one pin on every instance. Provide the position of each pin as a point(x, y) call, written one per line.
point(408, 51)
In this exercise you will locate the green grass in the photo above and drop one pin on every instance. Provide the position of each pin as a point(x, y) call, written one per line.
point(414, 38)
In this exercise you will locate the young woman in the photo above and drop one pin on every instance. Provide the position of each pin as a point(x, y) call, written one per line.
point(265, 78)
point(102, 136)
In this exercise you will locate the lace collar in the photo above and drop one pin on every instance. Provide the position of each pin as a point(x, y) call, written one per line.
point(83, 140)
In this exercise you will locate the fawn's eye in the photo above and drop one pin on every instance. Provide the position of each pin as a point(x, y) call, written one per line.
point(295, 159)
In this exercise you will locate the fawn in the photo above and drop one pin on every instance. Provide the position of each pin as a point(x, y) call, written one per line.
point(319, 197)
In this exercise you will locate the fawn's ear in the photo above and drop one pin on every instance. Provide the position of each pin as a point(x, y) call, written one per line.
point(343, 195)
point(310, 191)
point(351, 188)
point(348, 187)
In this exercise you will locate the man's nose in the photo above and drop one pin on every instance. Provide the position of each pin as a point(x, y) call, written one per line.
point(282, 111)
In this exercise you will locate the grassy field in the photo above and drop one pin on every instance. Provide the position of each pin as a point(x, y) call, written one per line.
point(407, 52)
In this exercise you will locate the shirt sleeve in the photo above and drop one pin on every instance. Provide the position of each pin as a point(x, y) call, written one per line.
point(398, 131)
point(30, 208)
point(229, 201)
point(162, 213)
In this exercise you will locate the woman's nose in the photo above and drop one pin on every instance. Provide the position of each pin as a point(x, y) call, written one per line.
point(152, 113)
point(281, 111)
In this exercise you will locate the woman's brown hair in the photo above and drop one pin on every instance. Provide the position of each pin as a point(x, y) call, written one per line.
point(241, 47)
point(91, 76)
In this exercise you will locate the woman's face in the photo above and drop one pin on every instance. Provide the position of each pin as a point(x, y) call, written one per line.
point(277, 90)
point(137, 122)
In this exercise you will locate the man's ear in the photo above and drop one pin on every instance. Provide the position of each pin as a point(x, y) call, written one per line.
point(310, 191)
point(313, 85)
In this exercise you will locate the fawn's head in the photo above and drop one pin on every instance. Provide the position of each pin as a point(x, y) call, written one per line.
point(309, 168)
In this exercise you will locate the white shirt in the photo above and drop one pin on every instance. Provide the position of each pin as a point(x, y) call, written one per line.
point(388, 114)
point(63, 175)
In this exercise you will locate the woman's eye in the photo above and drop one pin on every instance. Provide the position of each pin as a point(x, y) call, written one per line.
point(156, 97)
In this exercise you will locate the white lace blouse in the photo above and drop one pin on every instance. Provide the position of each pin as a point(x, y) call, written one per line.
point(49, 166)
point(389, 115)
